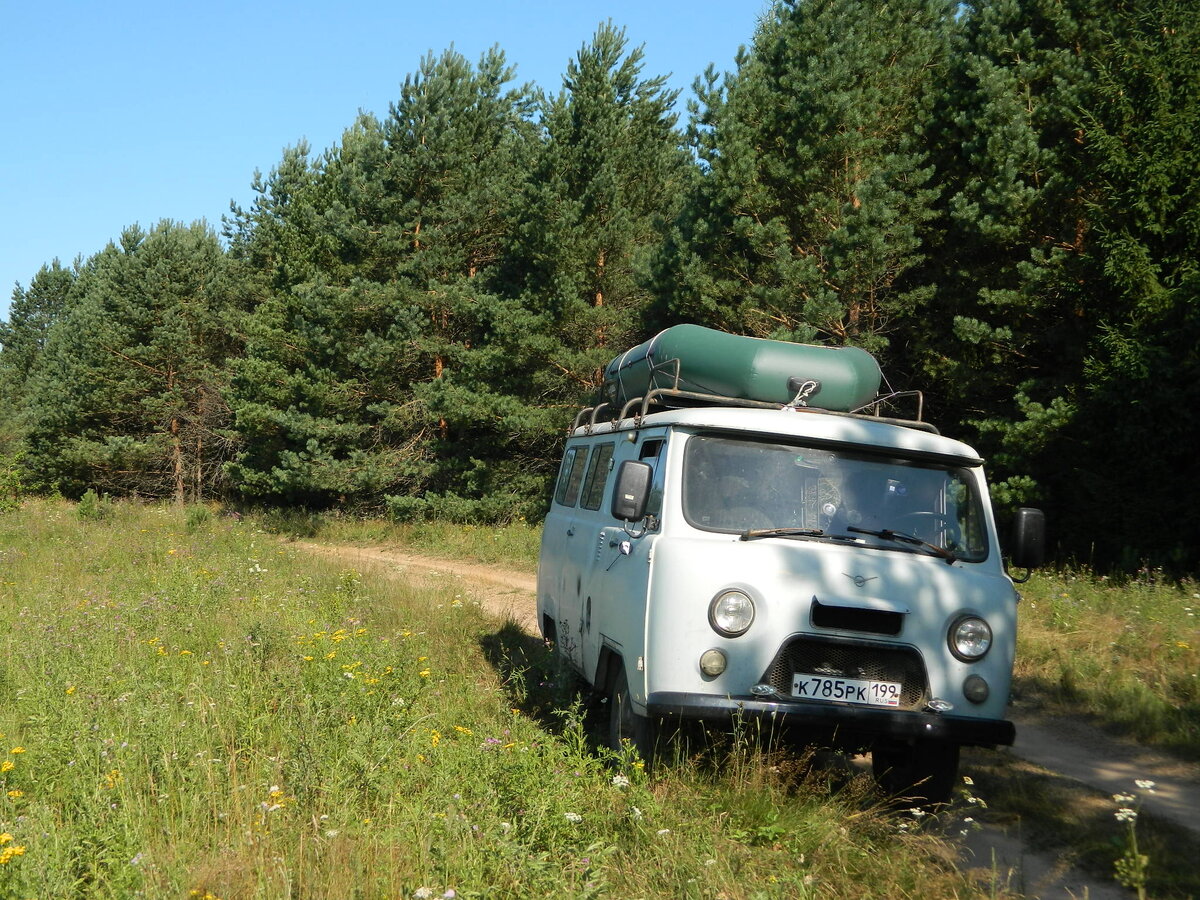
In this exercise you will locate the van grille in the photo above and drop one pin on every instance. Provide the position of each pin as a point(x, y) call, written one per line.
point(838, 659)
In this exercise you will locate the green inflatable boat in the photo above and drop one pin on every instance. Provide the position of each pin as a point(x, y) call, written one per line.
point(703, 361)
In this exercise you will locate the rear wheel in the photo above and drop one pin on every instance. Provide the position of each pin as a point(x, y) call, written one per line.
point(923, 772)
point(625, 723)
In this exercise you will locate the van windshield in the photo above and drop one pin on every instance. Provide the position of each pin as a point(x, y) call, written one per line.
point(738, 485)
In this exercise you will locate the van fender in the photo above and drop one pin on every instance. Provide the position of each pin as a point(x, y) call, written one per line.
point(607, 666)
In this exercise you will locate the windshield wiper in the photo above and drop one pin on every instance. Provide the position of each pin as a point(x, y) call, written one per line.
point(753, 533)
point(888, 535)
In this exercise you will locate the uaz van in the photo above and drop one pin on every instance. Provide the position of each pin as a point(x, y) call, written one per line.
point(733, 535)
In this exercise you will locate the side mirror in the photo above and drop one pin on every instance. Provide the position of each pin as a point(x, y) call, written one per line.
point(632, 491)
point(1029, 538)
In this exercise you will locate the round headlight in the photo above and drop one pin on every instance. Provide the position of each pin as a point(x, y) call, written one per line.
point(731, 613)
point(970, 638)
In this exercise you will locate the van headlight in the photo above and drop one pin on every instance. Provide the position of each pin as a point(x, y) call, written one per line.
point(970, 638)
point(731, 613)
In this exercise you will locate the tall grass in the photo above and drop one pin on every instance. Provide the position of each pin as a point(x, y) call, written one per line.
point(190, 707)
point(1126, 654)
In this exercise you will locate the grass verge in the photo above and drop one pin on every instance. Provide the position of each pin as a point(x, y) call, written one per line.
point(188, 707)
point(1125, 655)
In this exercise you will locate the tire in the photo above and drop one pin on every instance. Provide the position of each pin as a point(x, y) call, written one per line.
point(625, 723)
point(923, 773)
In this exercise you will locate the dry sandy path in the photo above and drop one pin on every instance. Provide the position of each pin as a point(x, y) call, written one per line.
point(1072, 749)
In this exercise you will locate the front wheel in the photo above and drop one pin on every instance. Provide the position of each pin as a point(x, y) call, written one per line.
point(625, 723)
point(923, 772)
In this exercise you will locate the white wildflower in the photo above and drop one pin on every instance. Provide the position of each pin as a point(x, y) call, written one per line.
point(1145, 785)
point(663, 831)
point(620, 781)
point(1125, 814)
point(573, 818)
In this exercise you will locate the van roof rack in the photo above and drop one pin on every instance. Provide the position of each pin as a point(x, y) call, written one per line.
point(661, 399)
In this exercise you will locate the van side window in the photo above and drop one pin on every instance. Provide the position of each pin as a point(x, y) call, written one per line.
point(593, 491)
point(571, 477)
point(650, 449)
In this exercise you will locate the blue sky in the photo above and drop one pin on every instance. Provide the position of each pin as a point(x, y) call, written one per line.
point(119, 113)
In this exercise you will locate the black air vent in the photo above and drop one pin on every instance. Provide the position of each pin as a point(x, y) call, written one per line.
point(850, 618)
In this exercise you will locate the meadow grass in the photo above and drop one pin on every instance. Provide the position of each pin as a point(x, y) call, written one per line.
point(1124, 654)
point(190, 707)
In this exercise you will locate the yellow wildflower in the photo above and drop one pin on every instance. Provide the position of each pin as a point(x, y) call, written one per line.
point(424, 673)
point(14, 794)
point(5, 838)
point(70, 690)
point(7, 766)
point(16, 750)
point(434, 738)
point(8, 853)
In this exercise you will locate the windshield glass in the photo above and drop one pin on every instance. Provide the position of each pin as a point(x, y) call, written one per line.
point(737, 485)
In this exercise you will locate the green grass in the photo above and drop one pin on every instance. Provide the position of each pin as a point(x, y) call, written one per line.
point(189, 706)
point(1126, 655)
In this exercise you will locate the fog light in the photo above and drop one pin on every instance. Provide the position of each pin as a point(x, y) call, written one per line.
point(975, 689)
point(713, 662)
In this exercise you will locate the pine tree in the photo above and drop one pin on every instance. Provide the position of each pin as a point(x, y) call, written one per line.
point(1142, 370)
point(374, 293)
point(1010, 324)
point(816, 178)
point(32, 313)
point(127, 395)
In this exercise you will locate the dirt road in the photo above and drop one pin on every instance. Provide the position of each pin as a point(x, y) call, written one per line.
point(1072, 749)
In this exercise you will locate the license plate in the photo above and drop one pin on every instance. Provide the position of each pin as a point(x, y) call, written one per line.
point(846, 690)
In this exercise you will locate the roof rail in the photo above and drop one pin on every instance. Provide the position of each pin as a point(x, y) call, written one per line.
point(639, 407)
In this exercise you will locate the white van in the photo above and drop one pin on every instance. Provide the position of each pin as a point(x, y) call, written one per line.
point(712, 557)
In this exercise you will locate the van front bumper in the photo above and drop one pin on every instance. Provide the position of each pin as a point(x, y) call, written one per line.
point(843, 722)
